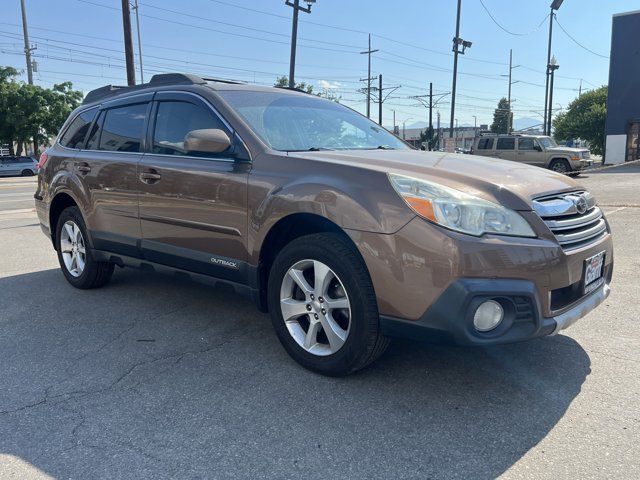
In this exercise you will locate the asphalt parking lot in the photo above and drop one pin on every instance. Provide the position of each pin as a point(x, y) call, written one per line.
point(156, 376)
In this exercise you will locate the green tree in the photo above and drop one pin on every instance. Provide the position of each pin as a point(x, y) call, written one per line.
point(501, 117)
point(585, 119)
point(424, 137)
point(32, 112)
point(283, 81)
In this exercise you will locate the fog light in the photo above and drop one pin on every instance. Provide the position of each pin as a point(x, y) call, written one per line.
point(488, 316)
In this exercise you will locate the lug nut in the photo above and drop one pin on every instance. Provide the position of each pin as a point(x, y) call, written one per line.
point(321, 299)
point(315, 315)
point(324, 312)
point(312, 297)
point(308, 307)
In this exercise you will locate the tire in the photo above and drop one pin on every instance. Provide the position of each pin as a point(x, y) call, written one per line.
point(350, 280)
point(560, 165)
point(92, 274)
point(27, 173)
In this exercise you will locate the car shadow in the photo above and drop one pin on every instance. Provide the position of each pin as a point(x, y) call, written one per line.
point(158, 376)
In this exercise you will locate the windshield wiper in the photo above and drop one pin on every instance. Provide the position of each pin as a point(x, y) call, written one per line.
point(384, 147)
point(312, 149)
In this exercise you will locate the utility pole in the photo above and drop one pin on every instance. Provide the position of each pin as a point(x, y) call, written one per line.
point(457, 42)
point(580, 89)
point(394, 121)
point(27, 46)
point(368, 53)
point(430, 136)
point(438, 127)
point(509, 99)
point(128, 43)
point(380, 100)
point(135, 7)
point(294, 36)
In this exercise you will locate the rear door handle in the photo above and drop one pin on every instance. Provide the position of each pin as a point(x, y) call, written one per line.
point(83, 167)
point(150, 176)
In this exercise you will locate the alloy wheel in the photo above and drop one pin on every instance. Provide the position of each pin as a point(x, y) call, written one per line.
point(72, 248)
point(315, 307)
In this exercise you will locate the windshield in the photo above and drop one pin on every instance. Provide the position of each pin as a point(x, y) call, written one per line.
point(305, 122)
point(547, 142)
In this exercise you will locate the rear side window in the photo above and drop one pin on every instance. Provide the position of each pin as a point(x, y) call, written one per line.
point(77, 131)
point(506, 144)
point(485, 144)
point(174, 121)
point(122, 128)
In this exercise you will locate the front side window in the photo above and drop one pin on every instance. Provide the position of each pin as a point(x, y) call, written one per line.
point(547, 142)
point(526, 144)
point(174, 121)
point(77, 131)
point(122, 129)
point(290, 122)
point(506, 144)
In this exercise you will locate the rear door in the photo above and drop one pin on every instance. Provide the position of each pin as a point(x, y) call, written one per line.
point(506, 148)
point(193, 206)
point(108, 167)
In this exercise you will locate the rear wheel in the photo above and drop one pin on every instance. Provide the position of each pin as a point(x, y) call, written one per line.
point(560, 165)
point(76, 259)
point(323, 306)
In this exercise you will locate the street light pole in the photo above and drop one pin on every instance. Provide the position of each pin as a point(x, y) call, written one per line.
point(135, 7)
point(555, 5)
point(294, 36)
point(430, 114)
point(552, 67)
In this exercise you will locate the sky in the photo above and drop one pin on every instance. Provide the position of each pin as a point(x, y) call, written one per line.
point(81, 41)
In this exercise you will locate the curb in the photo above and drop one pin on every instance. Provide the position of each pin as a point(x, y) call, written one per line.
point(606, 167)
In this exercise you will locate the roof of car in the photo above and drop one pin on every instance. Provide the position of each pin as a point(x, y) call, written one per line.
point(171, 79)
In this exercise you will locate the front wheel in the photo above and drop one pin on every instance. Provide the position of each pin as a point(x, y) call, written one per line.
point(323, 305)
point(76, 259)
point(560, 165)
point(27, 173)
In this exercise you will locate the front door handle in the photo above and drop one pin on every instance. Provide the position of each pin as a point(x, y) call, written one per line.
point(151, 176)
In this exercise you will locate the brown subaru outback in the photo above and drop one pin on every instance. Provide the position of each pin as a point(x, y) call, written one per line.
point(341, 231)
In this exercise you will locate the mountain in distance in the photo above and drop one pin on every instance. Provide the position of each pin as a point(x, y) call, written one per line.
point(525, 122)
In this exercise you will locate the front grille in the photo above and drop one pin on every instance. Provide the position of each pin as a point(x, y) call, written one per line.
point(574, 218)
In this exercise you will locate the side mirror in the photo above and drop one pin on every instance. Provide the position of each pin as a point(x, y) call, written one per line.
point(207, 140)
point(422, 147)
point(537, 147)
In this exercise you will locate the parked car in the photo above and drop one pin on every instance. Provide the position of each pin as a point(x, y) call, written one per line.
point(343, 232)
point(14, 165)
point(538, 150)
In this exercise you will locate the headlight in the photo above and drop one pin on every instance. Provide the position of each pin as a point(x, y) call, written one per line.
point(457, 210)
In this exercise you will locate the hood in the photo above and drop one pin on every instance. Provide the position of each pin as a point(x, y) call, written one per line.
point(508, 183)
point(562, 149)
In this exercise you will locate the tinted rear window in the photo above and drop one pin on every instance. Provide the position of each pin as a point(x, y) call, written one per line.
point(485, 144)
point(506, 144)
point(122, 128)
point(77, 131)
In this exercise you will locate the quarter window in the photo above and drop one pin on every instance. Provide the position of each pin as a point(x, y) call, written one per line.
point(174, 120)
point(122, 129)
point(77, 131)
point(525, 144)
point(506, 144)
point(94, 135)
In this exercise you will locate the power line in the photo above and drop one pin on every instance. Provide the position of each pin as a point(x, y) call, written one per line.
point(515, 34)
point(578, 43)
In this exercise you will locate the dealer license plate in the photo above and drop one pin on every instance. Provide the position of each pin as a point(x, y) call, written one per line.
point(593, 268)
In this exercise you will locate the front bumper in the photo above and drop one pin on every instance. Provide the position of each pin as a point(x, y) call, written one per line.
point(450, 318)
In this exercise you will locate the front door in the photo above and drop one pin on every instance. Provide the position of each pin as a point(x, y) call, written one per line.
point(529, 151)
point(193, 206)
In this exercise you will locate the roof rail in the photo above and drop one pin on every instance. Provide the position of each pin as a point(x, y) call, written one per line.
point(158, 79)
point(223, 80)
